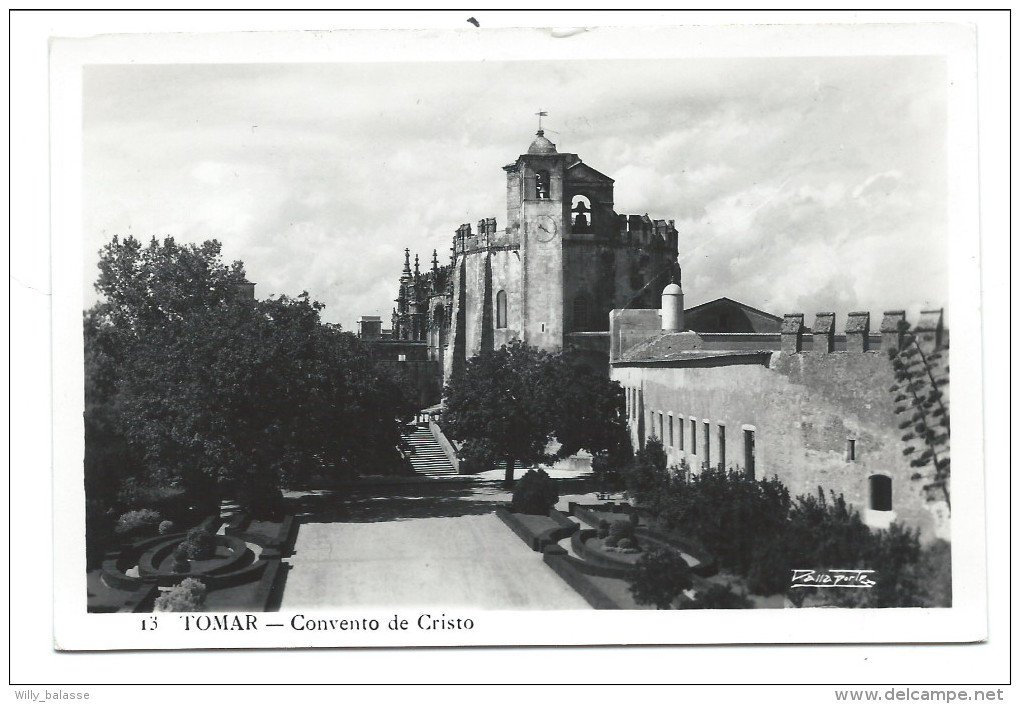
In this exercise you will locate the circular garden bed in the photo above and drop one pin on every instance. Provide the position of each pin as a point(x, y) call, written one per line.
point(152, 560)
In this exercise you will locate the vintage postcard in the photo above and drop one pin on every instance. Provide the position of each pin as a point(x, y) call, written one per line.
point(517, 337)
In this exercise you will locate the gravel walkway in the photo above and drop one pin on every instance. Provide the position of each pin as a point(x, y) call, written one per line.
point(466, 560)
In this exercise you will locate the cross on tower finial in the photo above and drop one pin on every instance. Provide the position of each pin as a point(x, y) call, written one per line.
point(541, 114)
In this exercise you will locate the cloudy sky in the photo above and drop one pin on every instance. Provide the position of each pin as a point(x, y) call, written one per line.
point(797, 184)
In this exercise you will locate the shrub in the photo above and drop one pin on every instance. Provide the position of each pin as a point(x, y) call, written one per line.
point(727, 511)
point(647, 475)
point(895, 555)
point(189, 595)
point(628, 544)
point(717, 596)
point(603, 529)
point(769, 572)
point(659, 577)
point(135, 522)
point(534, 494)
point(166, 527)
point(935, 569)
point(173, 503)
point(622, 529)
point(180, 561)
point(199, 545)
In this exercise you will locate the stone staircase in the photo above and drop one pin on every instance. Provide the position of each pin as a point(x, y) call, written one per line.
point(427, 458)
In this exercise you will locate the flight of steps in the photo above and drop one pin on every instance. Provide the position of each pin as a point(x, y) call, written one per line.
point(427, 458)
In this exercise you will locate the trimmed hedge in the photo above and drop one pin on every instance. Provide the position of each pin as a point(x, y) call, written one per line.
point(537, 540)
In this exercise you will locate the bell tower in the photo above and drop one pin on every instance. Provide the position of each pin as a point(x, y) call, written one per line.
point(537, 217)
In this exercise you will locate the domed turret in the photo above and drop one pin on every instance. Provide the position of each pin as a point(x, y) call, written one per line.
point(541, 145)
point(672, 308)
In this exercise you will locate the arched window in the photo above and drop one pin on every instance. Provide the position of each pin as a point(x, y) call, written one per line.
point(582, 312)
point(880, 490)
point(580, 210)
point(501, 309)
point(439, 324)
point(542, 185)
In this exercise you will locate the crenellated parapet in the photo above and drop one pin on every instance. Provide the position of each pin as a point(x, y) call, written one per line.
point(487, 237)
point(642, 231)
point(894, 332)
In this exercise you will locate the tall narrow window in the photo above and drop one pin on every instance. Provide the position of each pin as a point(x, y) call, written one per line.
point(851, 450)
point(694, 437)
point(722, 444)
point(662, 430)
point(671, 430)
point(680, 432)
point(880, 489)
point(501, 309)
point(651, 424)
point(749, 452)
point(708, 448)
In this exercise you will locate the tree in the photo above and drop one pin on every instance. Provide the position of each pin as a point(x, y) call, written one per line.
point(507, 398)
point(518, 399)
point(591, 412)
point(212, 391)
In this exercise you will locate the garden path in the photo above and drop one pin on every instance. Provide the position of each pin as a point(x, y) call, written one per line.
point(402, 548)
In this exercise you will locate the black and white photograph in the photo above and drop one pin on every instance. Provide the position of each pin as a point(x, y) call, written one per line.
point(495, 336)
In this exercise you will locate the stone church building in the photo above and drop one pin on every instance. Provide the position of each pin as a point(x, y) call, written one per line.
point(549, 277)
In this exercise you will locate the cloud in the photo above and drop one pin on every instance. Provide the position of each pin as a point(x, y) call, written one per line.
point(814, 182)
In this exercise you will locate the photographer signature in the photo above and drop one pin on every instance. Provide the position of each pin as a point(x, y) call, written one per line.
point(854, 579)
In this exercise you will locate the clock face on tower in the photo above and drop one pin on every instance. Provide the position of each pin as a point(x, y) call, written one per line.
point(546, 228)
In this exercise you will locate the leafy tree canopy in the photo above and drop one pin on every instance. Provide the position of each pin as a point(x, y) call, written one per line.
point(204, 387)
point(519, 399)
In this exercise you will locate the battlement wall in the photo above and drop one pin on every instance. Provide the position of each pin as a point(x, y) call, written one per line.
point(633, 231)
point(486, 238)
point(638, 327)
point(893, 333)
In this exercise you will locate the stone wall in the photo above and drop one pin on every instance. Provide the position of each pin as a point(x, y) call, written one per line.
point(818, 419)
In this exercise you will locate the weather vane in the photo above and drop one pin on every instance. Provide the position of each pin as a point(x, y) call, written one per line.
point(541, 114)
